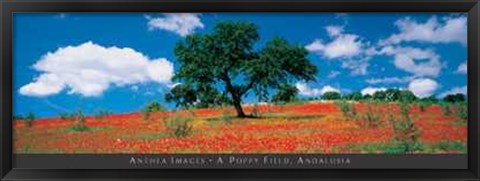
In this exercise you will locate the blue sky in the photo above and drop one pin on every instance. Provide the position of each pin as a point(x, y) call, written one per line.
point(120, 62)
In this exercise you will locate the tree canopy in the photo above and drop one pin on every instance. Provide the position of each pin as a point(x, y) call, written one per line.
point(459, 97)
point(331, 95)
point(224, 65)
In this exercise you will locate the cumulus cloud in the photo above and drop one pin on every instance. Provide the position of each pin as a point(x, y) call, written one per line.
point(372, 90)
point(182, 24)
point(462, 68)
point(414, 60)
point(343, 46)
point(446, 30)
point(455, 90)
point(305, 90)
point(423, 87)
point(89, 69)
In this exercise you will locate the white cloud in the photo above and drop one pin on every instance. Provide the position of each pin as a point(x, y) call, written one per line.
point(304, 89)
point(462, 68)
point(455, 90)
point(334, 31)
point(343, 46)
point(357, 67)
point(389, 80)
point(447, 30)
point(372, 90)
point(182, 24)
point(423, 87)
point(89, 69)
point(349, 48)
point(333, 74)
point(413, 60)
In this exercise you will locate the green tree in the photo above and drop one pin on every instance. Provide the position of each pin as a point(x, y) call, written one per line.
point(430, 99)
point(355, 96)
point(225, 60)
point(407, 96)
point(331, 95)
point(454, 98)
point(29, 119)
point(380, 95)
point(392, 94)
point(286, 93)
point(182, 95)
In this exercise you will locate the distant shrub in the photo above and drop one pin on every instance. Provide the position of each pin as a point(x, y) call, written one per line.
point(152, 108)
point(256, 111)
point(407, 96)
point(331, 95)
point(422, 106)
point(80, 123)
point(431, 99)
point(348, 109)
point(18, 117)
point(371, 117)
point(67, 116)
point(446, 108)
point(462, 111)
point(226, 116)
point(454, 98)
point(406, 134)
point(354, 96)
point(102, 114)
point(29, 119)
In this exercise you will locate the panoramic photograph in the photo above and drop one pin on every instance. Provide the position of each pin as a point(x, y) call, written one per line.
point(240, 83)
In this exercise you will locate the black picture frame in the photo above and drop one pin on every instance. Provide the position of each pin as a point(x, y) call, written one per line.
point(8, 7)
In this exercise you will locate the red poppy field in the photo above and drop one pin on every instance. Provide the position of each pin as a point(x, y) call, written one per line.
point(311, 127)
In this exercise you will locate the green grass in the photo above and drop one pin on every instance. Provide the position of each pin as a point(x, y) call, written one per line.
point(459, 123)
point(74, 129)
point(154, 136)
point(450, 146)
point(391, 148)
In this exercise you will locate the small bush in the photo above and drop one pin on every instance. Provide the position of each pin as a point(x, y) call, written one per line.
point(348, 109)
point(462, 112)
point(183, 130)
point(66, 116)
point(102, 114)
point(18, 117)
point(227, 117)
point(79, 125)
point(446, 109)
point(179, 126)
point(29, 119)
point(423, 106)
point(152, 108)
point(256, 111)
point(372, 118)
point(406, 134)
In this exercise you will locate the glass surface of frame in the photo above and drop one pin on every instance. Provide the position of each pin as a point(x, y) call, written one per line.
point(334, 92)
point(237, 83)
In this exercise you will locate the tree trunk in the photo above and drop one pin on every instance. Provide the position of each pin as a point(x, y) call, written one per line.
point(236, 96)
point(238, 106)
